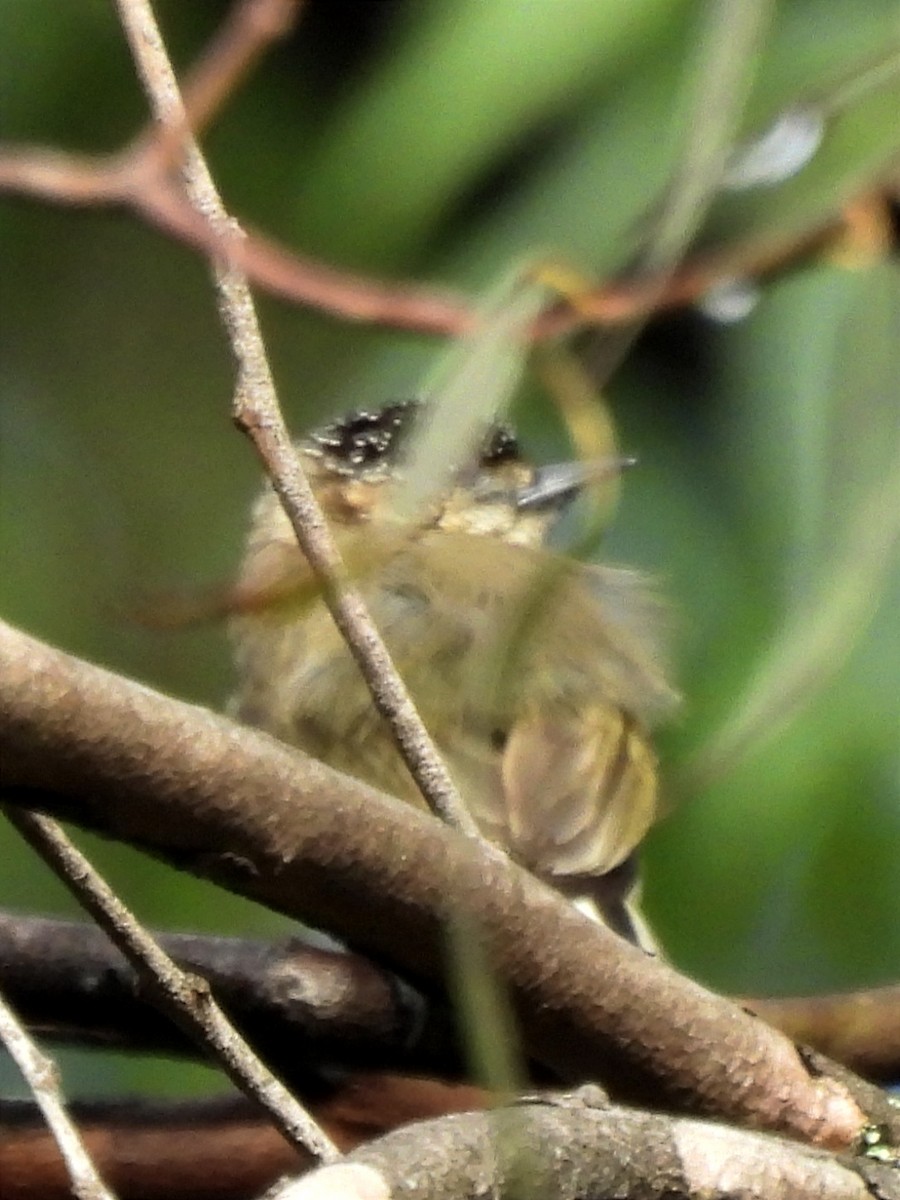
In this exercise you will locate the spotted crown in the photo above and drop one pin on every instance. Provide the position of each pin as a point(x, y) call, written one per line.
point(368, 439)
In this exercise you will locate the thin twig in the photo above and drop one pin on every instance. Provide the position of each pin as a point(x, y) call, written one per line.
point(236, 46)
point(138, 177)
point(186, 997)
point(126, 179)
point(257, 413)
point(42, 1077)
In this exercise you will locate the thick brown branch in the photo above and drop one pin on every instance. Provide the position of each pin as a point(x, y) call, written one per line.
point(239, 808)
point(299, 1005)
point(859, 1029)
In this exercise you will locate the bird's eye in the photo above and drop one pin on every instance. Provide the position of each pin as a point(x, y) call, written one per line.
point(501, 445)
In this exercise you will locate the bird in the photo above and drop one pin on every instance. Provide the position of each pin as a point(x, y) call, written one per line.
point(538, 676)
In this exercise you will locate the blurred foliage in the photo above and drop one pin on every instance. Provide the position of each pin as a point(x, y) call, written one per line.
point(443, 141)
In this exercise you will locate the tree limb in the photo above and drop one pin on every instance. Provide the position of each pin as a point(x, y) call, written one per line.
point(194, 1150)
point(302, 1005)
point(299, 1005)
point(860, 1029)
point(237, 807)
point(578, 1146)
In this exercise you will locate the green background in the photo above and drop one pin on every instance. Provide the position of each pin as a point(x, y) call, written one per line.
point(443, 141)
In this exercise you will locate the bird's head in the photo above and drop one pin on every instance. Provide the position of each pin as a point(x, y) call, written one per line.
point(356, 466)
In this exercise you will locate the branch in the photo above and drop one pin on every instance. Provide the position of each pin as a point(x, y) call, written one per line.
point(125, 180)
point(257, 413)
point(239, 43)
point(860, 1029)
point(138, 178)
point(187, 999)
point(260, 818)
point(42, 1077)
point(580, 1146)
point(221, 1147)
point(300, 1006)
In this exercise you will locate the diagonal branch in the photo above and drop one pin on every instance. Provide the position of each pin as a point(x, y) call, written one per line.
point(235, 48)
point(238, 807)
point(42, 1077)
point(258, 414)
point(186, 998)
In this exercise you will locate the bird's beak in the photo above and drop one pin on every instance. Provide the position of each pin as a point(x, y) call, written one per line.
point(554, 486)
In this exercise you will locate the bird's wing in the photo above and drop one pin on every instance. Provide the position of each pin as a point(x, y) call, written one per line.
point(573, 793)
